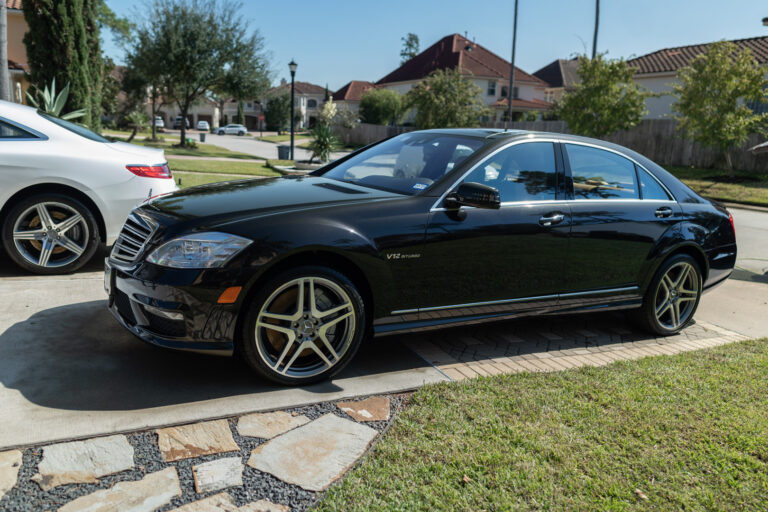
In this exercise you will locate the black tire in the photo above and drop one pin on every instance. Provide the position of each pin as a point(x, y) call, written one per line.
point(240, 134)
point(85, 234)
point(261, 349)
point(665, 324)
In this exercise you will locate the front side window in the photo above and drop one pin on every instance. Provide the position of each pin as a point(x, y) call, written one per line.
point(408, 164)
point(600, 174)
point(9, 131)
point(74, 128)
point(523, 172)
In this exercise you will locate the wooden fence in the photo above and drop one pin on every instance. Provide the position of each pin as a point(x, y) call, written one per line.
point(657, 139)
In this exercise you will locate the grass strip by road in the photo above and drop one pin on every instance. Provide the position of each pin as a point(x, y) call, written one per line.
point(202, 150)
point(687, 432)
point(748, 188)
point(253, 168)
point(193, 179)
point(286, 137)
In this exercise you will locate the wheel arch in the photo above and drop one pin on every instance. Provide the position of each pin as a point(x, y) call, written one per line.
point(685, 247)
point(57, 188)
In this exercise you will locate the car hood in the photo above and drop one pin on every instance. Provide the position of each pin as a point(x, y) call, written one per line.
point(142, 154)
point(232, 201)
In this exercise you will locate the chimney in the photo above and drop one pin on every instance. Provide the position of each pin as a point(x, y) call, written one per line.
point(283, 81)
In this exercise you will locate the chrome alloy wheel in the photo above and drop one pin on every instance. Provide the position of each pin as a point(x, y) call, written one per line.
point(305, 327)
point(50, 234)
point(676, 295)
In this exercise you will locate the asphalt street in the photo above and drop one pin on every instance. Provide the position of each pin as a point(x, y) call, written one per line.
point(68, 370)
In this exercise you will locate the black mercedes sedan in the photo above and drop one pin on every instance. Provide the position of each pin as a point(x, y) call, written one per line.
point(424, 230)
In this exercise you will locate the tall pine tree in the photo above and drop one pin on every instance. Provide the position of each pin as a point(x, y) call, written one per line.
point(63, 43)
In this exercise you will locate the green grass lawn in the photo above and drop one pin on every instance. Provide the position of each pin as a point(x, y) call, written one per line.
point(286, 137)
point(753, 189)
point(253, 168)
point(204, 150)
point(192, 179)
point(688, 432)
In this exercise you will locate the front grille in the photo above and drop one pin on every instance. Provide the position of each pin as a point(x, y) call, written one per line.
point(134, 236)
point(123, 304)
point(165, 326)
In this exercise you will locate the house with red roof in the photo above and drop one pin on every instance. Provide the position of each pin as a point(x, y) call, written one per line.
point(658, 71)
point(308, 97)
point(17, 52)
point(483, 67)
point(350, 94)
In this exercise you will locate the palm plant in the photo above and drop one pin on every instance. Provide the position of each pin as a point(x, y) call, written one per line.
point(53, 103)
point(138, 121)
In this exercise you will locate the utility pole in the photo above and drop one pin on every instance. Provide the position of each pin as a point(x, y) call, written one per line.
point(597, 23)
point(510, 93)
point(5, 79)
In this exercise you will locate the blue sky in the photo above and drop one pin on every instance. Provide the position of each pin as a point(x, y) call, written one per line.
point(335, 41)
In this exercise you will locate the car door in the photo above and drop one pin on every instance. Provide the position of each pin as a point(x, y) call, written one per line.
point(619, 213)
point(492, 261)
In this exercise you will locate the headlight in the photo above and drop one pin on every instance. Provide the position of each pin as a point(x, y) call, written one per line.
point(200, 250)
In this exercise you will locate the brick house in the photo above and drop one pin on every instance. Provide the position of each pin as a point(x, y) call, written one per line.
point(481, 66)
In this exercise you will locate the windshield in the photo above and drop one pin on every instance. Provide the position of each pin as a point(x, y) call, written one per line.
point(407, 164)
point(74, 128)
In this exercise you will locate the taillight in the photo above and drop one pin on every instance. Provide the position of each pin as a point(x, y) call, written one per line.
point(150, 171)
point(733, 226)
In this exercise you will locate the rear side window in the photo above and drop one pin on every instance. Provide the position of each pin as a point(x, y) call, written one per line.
point(523, 172)
point(650, 188)
point(600, 174)
point(9, 131)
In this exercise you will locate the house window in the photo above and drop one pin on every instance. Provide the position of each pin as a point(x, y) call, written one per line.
point(311, 103)
point(504, 91)
point(491, 88)
point(515, 93)
point(549, 96)
point(249, 105)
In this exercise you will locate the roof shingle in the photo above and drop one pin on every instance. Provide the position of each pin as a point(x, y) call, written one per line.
point(672, 59)
point(301, 88)
point(560, 73)
point(353, 91)
point(456, 51)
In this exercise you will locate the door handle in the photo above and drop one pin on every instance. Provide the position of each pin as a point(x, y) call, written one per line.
point(664, 212)
point(551, 220)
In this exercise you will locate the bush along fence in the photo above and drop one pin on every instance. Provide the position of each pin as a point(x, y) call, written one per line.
point(657, 139)
point(662, 142)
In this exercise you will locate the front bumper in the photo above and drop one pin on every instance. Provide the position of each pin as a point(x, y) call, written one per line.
point(171, 308)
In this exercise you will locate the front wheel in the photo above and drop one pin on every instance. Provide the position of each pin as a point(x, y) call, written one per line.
point(304, 326)
point(240, 134)
point(50, 234)
point(672, 297)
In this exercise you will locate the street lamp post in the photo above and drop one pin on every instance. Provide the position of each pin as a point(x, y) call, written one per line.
point(292, 66)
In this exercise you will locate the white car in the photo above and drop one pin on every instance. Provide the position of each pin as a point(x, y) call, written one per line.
point(64, 189)
point(159, 123)
point(232, 129)
point(203, 126)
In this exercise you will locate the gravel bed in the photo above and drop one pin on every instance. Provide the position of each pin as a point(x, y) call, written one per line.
point(28, 496)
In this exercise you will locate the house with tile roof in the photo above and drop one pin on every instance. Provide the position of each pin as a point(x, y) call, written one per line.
point(309, 98)
point(483, 67)
point(658, 71)
point(561, 75)
point(17, 52)
point(350, 94)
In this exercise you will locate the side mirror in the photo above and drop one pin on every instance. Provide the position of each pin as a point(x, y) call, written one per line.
point(473, 194)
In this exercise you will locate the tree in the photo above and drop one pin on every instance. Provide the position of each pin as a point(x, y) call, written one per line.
point(63, 42)
point(445, 99)
point(712, 93)
point(200, 44)
point(144, 76)
point(410, 47)
point(278, 114)
point(380, 106)
point(607, 99)
point(5, 78)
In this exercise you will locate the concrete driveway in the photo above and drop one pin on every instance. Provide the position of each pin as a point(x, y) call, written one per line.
point(68, 370)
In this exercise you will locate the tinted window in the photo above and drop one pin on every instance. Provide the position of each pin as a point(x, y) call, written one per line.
point(409, 163)
point(650, 188)
point(74, 128)
point(599, 174)
point(523, 172)
point(8, 131)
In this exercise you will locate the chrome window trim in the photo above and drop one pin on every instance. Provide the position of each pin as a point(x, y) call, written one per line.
point(595, 146)
point(436, 208)
point(512, 301)
point(37, 134)
point(531, 138)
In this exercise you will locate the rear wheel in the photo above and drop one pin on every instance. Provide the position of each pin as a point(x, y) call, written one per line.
point(50, 234)
point(673, 296)
point(304, 326)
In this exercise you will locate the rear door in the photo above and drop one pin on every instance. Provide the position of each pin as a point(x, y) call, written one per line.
point(619, 213)
point(487, 261)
